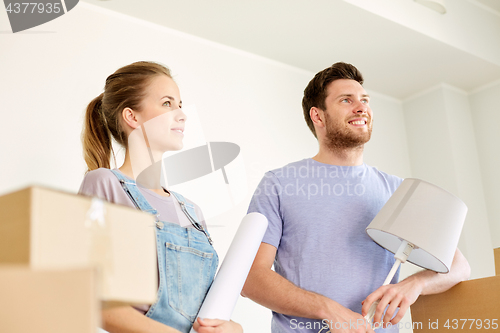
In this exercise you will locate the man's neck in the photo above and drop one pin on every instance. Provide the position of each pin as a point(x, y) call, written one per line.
point(346, 156)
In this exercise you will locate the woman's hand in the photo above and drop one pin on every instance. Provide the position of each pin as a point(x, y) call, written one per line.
point(216, 326)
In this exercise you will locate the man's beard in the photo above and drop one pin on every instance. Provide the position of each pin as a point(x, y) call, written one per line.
point(340, 137)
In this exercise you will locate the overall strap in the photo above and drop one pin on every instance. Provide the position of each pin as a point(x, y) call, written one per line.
point(189, 207)
point(130, 187)
point(190, 213)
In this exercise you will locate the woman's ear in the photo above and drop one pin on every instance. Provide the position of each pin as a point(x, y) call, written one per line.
point(130, 118)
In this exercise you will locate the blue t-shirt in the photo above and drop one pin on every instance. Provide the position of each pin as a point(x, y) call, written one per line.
point(317, 218)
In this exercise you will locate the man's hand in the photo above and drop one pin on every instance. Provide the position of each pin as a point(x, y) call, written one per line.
point(216, 326)
point(344, 320)
point(400, 295)
point(406, 292)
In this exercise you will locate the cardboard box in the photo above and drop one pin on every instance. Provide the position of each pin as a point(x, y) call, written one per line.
point(469, 306)
point(497, 260)
point(47, 229)
point(48, 301)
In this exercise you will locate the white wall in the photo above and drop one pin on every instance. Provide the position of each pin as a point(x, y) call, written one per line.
point(484, 105)
point(442, 149)
point(388, 146)
point(442, 146)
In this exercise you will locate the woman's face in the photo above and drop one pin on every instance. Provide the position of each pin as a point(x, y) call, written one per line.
point(161, 117)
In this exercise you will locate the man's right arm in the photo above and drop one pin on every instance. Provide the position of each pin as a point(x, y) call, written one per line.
point(271, 290)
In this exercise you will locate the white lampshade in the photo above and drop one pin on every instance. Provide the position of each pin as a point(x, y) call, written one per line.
point(425, 215)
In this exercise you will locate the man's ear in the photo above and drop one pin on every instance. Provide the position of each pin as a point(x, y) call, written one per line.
point(317, 116)
point(130, 118)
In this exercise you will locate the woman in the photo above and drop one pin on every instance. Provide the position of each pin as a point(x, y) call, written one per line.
point(141, 109)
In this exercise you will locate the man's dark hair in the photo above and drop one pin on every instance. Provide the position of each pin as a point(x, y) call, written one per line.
point(315, 92)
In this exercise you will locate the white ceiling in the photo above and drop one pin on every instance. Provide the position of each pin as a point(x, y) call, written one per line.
point(395, 60)
point(493, 4)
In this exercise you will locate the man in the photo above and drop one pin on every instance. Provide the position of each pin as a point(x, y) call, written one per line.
point(318, 209)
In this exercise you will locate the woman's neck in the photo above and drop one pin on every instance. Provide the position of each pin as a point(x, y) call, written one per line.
point(144, 172)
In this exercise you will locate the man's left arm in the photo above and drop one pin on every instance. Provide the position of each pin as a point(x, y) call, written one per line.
point(403, 294)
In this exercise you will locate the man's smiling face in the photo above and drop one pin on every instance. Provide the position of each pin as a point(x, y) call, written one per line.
point(348, 116)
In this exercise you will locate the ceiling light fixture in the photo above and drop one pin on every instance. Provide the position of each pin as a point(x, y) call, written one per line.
point(436, 5)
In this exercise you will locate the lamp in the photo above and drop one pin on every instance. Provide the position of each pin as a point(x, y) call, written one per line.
point(420, 223)
point(436, 5)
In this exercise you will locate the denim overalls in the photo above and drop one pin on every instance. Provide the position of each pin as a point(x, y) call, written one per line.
point(187, 263)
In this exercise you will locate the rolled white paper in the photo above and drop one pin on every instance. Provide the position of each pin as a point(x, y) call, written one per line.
point(226, 288)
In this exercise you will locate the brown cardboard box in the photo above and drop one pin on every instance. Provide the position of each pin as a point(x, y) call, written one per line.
point(48, 301)
point(469, 306)
point(48, 229)
point(497, 260)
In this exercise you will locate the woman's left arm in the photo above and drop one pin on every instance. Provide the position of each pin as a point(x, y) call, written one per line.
point(216, 326)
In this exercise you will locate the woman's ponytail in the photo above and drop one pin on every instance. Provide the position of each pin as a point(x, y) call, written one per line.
point(95, 137)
